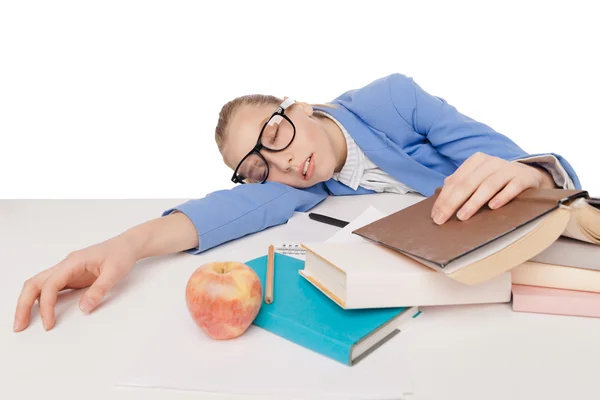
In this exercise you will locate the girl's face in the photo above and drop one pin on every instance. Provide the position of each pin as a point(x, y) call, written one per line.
point(316, 140)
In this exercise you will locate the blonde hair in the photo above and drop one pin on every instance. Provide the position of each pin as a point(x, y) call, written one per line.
point(230, 108)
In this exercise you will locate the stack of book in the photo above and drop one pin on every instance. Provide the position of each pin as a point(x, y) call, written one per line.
point(347, 296)
point(406, 259)
point(533, 249)
point(564, 280)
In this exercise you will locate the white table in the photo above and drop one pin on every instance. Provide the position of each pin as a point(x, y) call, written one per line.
point(458, 352)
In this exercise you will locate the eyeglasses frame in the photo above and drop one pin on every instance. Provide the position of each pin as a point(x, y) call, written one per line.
point(259, 146)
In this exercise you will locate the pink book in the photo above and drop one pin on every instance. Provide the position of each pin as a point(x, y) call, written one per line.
point(543, 300)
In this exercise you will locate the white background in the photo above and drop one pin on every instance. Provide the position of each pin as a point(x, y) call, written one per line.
point(119, 99)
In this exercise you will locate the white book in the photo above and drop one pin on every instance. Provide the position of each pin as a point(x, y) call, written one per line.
point(571, 253)
point(356, 273)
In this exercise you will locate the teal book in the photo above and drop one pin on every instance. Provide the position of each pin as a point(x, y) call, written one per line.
point(302, 314)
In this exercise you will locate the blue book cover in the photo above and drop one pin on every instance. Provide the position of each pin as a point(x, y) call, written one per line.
point(302, 314)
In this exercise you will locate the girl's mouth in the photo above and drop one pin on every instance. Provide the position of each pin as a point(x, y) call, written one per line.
point(309, 168)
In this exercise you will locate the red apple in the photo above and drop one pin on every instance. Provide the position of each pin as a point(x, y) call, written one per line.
point(224, 298)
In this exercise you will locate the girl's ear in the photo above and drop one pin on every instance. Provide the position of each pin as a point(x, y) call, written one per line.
point(307, 108)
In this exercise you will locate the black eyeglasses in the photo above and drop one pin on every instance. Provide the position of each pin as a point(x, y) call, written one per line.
point(276, 135)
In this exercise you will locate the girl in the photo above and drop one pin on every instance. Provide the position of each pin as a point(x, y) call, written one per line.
point(389, 136)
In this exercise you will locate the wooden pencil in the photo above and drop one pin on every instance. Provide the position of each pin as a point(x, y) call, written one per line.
point(270, 273)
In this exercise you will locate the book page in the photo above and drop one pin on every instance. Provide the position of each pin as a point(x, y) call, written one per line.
point(573, 229)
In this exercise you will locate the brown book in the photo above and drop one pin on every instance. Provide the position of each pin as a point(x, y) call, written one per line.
point(491, 242)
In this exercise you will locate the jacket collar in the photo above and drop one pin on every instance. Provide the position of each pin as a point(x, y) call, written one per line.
point(388, 156)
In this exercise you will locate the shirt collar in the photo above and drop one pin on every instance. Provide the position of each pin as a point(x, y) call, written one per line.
point(353, 168)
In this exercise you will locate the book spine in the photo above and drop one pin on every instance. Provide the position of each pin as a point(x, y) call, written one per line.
point(556, 304)
point(555, 276)
point(306, 337)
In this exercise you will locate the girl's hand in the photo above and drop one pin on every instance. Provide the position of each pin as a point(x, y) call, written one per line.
point(99, 266)
point(482, 178)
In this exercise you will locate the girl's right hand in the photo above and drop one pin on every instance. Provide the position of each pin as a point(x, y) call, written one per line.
point(99, 266)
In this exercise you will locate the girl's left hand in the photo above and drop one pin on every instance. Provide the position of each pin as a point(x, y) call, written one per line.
point(482, 178)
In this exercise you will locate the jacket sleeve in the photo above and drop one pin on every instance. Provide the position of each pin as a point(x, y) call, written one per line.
point(452, 133)
point(225, 215)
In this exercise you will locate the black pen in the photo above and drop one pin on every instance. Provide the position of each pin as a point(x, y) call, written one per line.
point(327, 220)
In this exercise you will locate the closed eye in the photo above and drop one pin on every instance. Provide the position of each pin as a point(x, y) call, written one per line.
point(275, 137)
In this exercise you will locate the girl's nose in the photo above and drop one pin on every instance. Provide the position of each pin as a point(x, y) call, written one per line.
point(283, 160)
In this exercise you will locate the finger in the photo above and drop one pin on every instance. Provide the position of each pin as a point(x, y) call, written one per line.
point(50, 289)
point(470, 165)
point(510, 191)
point(464, 170)
point(491, 185)
point(28, 296)
point(459, 192)
point(109, 277)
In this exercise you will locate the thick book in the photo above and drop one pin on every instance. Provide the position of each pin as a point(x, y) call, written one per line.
point(357, 273)
point(556, 276)
point(542, 300)
point(367, 275)
point(301, 314)
point(570, 252)
point(491, 242)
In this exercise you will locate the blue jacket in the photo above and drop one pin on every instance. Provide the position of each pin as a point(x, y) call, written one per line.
point(417, 138)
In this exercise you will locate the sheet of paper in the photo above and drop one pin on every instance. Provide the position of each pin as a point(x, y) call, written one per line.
point(176, 354)
point(292, 250)
point(301, 220)
point(299, 226)
point(345, 235)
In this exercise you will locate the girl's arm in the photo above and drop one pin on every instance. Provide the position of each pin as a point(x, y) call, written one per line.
point(225, 215)
point(487, 171)
point(165, 235)
point(193, 226)
point(101, 266)
point(458, 136)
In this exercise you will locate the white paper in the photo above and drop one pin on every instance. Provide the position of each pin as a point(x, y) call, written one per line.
point(292, 250)
point(176, 354)
point(345, 235)
point(298, 227)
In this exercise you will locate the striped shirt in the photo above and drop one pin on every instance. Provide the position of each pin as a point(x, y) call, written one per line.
point(360, 171)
